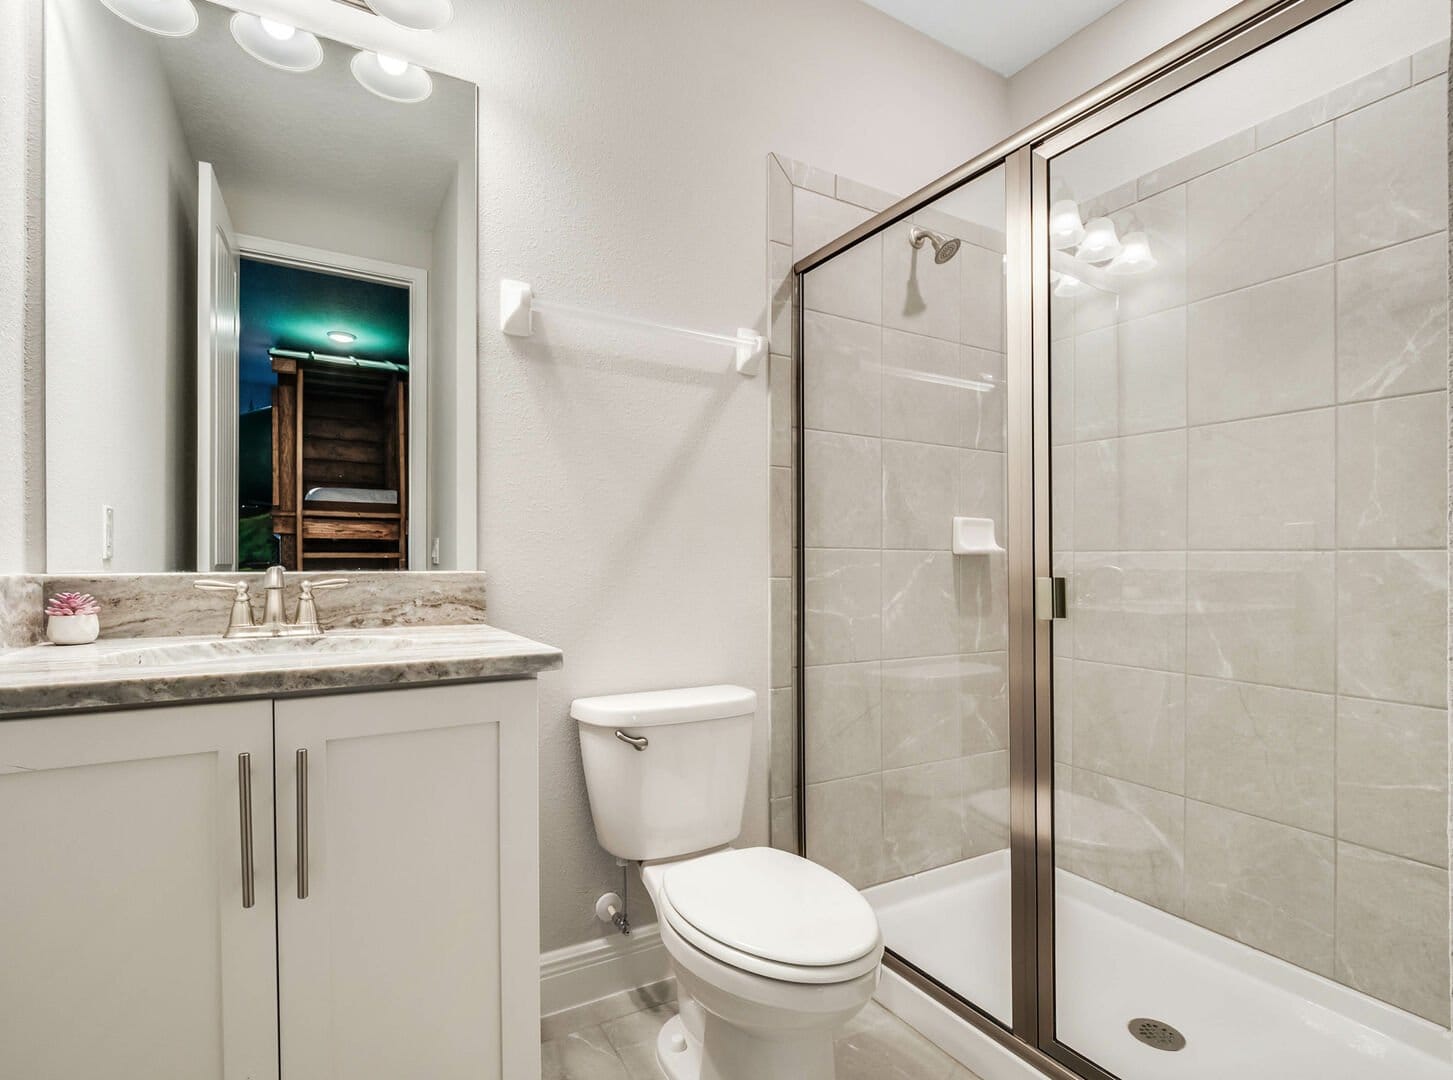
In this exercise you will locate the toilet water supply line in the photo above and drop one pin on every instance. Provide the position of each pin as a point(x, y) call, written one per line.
point(610, 908)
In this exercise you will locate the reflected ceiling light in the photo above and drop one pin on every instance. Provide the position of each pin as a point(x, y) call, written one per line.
point(1100, 243)
point(1065, 227)
point(1068, 286)
point(415, 14)
point(1135, 256)
point(169, 18)
point(391, 78)
point(343, 337)
point(275, 43)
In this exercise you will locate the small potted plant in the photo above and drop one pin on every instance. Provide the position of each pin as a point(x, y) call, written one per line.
point(72, 619)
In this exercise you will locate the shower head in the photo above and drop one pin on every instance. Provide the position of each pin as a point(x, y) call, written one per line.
point(944, 247)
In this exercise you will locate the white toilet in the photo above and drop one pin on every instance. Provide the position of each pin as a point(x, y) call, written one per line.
point(772, 953)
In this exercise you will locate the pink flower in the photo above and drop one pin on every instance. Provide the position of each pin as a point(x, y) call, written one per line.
point(72, 603)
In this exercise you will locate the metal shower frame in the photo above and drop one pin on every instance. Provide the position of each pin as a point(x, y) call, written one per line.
point(1025, 157)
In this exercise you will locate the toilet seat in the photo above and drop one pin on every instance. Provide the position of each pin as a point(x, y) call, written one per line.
point(772, 914)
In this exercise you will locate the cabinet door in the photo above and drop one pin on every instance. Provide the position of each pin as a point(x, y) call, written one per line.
point(126, 951)
point(400, 816)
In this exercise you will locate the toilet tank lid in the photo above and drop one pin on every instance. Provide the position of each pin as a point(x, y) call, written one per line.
point(652, 707)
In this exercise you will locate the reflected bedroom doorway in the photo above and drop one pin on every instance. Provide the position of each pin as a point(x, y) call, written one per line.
point(325, 430)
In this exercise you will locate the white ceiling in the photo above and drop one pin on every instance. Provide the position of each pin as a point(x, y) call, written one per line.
point(1003, 36)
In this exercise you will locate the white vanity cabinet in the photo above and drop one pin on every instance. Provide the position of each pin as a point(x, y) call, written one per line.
point(400, 937)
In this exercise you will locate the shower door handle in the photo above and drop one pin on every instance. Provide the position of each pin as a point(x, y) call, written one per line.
point(1049, 598)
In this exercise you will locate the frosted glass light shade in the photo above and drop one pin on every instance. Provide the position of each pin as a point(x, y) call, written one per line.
point(1065, 227)
point(415, 14)
point(1101, 242)
point(408, 86)
point(1068, 286)
point(298, 51)
point(1135, 256)
point(169, 18)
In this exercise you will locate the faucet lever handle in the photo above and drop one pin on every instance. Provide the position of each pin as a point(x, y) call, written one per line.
point(307, 618)
point(241, 615)
point(326, 583)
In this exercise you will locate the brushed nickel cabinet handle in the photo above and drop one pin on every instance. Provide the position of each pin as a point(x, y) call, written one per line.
point(244, 814)
point(301, 766)
point(639, 742)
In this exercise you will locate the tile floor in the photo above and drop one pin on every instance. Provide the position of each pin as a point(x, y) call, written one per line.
point(876, 1045)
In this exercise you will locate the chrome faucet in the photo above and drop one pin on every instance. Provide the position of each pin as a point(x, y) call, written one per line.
point(274, 623)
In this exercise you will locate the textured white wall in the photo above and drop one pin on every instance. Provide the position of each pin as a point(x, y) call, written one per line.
point(1106, 47)
point(623, 483)
point(121, 200)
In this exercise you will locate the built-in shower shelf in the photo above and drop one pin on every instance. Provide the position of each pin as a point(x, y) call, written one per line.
point(975, 536)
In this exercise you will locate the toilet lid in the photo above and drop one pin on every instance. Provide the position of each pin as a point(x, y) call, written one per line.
point(774, 905)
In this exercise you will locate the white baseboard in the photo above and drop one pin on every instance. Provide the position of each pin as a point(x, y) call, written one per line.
point(955, 1037)
point(579, 974)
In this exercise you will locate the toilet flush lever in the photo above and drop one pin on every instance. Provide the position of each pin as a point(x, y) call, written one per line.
point(638, 742)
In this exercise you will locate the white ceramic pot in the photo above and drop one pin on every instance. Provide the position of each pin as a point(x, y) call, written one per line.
point(72, 629)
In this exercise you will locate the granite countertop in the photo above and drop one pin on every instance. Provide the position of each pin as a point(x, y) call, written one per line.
point(131, 671)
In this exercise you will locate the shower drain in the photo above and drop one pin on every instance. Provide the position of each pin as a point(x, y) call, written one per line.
point(1156, 1033)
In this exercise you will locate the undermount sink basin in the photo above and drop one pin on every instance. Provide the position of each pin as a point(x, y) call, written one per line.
point(223, 649)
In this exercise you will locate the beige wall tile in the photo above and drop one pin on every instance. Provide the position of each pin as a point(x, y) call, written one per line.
point(1162, 218)
point(923, 710)
point(1125, 836)
point(844, 612)
point(1130, 723)
point(1263, 617)
point(784, 521)
point(844, 705)
point(1062, 390)
point(923, 817)
point(985, 688)
point(1392, 625)
point(1356, 94)
point(842, 371)
point(920, 483)
point(1261, 217)
point(1130, 493)
point(1430, 61)
point(1151, 379)
point(1392, 472)
point(920, 606)
point(1392, 169)
point(779, 203)
point(982, 307)
point(845, 827)
point(986, 803)
point(843, 499)
point(1264, 483)
point(1262, 350)
point(919, 295)
point(781, 379)
point(1261, 750)
point(1130, 608)
point(1392, 930)
point(780, 289)
point(850, 285)
point(1392, 320)
point(782, 774)
point(1392, 778)
point(782, 825)
point(981, 584)
point(917, 403)
point(1195, 164)
point(1262, 883)
point(784, 632)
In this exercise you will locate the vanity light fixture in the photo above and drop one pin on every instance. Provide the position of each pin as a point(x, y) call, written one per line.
point(1065, 227)
point(391, 78)
point(169, 18)
point(415, 14)
point(342, 337)
point(1135, 256)
point(1100, 243)
point(275, 43)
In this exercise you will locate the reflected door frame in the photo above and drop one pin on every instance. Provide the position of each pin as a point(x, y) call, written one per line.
point(416, 280)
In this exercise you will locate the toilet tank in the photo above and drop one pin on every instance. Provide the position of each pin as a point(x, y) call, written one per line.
point(666, 769)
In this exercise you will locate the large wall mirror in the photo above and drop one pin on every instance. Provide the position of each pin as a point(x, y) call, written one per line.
point(261, 279)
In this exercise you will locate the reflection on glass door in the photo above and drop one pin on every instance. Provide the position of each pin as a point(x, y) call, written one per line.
point(906, 628)
point(1249, 501)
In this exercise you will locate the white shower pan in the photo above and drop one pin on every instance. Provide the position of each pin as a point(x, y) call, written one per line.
point(1243, 1013)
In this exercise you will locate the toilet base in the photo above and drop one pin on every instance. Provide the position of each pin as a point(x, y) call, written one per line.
point(680, 1056)
point(676, 1052)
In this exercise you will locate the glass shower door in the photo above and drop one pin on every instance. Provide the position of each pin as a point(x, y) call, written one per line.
point(1248, 372)
point(906, 630)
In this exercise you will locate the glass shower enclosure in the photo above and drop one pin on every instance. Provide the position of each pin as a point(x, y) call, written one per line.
point(1123, 491)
